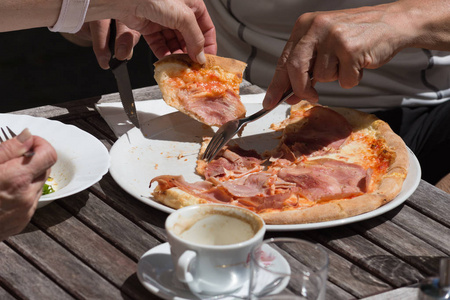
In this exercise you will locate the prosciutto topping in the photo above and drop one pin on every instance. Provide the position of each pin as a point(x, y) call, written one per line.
point(327, 179)
point(234, 162)
point(293, 179)
point(201, 189)
point(213, 109)
point(322, 130)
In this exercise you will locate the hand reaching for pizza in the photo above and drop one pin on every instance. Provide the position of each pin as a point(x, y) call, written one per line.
point(96, 34)
point(171, 26)
point(339, 45)
point(175, 26)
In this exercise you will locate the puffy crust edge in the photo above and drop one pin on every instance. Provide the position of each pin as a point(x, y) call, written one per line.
point(333, 210)
point(227, 64)
point(176, 198)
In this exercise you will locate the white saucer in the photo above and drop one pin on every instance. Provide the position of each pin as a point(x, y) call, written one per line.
point(155, 272)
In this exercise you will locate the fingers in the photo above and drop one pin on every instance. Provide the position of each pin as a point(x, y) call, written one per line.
point(16, 147)
point(21, 181)
point(326, 67)
point(12, 160)
point(193, 37)
point(195, 32)
point(126, 39)
point(44, 158)
point(294, 68)
point(100, 37)
point(208, 30)
point(300, 66)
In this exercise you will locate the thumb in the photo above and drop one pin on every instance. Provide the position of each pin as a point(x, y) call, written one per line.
point(16, 147)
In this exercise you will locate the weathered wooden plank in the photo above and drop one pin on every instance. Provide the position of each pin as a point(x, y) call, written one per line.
point(62, 266)
point(432, 202)
point(335, 292)
point(396, 240)
point(149, 218)
point(145, 93)
point(360, 283)
point(99, 123)
point(4, 294)
point(343, 274)
point(85, 244)
point(113, 226)
point(423, 227)
point(368, 256)
point(24, 280)
point(404, 293)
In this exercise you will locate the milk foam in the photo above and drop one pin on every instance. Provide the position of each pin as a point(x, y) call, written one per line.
point(217, 229)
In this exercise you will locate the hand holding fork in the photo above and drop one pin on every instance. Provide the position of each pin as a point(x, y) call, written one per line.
point(224, 134)
point(12, 134)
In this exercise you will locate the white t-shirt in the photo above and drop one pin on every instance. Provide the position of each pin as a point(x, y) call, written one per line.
point(255, 31)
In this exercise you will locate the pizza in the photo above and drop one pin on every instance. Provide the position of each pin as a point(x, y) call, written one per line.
point(329, 164)
point(209, 93)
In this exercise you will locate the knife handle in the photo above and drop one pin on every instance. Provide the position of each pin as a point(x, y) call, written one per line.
point(112, 37)
point(113, 61)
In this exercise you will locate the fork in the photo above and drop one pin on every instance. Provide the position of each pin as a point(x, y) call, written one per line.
point(12, 134)
point(230, 128)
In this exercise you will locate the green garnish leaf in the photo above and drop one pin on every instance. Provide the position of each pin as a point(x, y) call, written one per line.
point(47, 189)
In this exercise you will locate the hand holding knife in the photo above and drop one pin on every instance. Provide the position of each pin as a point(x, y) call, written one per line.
point(120, 71)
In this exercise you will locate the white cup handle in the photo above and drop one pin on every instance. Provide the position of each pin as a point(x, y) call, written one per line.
point(182, 270)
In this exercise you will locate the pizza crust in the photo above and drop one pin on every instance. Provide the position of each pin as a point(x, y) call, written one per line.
point(176, 198)
point(337, 209)
point(167, 63)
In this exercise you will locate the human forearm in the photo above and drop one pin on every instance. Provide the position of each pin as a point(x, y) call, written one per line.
point(426, 21)
point(22, 14)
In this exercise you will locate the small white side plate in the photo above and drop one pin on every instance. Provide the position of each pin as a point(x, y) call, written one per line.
point(82, 158)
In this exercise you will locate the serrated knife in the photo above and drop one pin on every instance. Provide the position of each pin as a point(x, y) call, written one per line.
point(120, 71)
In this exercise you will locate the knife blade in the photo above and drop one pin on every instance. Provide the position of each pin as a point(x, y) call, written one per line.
point(120, 71)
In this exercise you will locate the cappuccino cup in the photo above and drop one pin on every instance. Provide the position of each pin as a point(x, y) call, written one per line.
point(210, 245)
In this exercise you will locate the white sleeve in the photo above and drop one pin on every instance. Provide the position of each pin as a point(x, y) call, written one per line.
point(71, 17)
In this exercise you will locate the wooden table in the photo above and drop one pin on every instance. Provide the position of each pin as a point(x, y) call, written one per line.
point(87, 246)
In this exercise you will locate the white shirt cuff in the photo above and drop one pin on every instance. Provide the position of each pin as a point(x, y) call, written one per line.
point(71, 17)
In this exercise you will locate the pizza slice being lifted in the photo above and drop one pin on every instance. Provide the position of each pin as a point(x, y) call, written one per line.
point(208, 93)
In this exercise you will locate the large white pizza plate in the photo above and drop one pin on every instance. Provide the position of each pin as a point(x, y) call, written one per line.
point(168, 145)
point(82, 158)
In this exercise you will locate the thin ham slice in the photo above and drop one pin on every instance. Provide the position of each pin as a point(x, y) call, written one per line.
point(166, 182)
point(234, 162)
point(327, 179)
point(201, 189)
point(239, 176)
point(214, 110)
point(322, 129)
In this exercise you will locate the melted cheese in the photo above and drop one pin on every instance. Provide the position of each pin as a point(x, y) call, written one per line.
point(367, 150)
point(212, 82)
